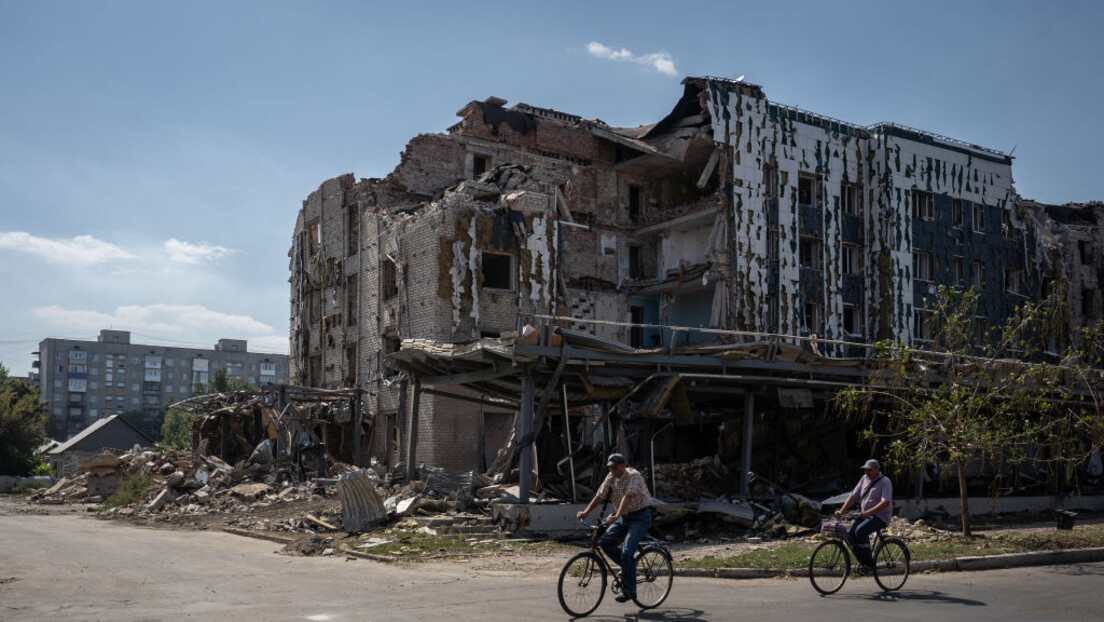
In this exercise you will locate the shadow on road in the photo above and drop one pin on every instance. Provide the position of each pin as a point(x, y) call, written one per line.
point(1080, 570)
point(926, 597)
point(657, 615)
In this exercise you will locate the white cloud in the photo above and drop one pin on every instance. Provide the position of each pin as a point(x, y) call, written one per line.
point(657, 61)
point(185, 322)
point(83, 249)
point(183, 252)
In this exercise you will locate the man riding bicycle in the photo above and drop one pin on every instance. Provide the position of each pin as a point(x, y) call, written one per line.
point(874, 493)
point(628, 524)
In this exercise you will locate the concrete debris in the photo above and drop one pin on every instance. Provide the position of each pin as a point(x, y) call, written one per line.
point(691, 481)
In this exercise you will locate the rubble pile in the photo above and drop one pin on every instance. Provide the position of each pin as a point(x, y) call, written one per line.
point(705, 477)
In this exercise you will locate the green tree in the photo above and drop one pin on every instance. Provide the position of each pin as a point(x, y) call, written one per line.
point(176, 431)
point(973, 398)
point(22, 425)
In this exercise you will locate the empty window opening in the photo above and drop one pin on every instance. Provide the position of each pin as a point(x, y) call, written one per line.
point(314, 236)
point(812, 317)
point(979, 275)
point(923, 266)
point(808, 190)
point(498, 271)
point(851, 259)
point(389, 279)
point(959, 271)
point(1013, 279)
point(352, 231)
point(636, 268)
point(956, 213)
point(635, 200)
point(851, 199)
point(923, 324)
point(352, 298)
point(852, 321)
point(812, 253)
point(479, 165)
point(979, 218)
point(923, 207)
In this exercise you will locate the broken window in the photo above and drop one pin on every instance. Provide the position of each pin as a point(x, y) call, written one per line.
point(636, 198)
point(1084, 247)
point(812, 252)
point(979, 275)
point(770, 181)
point(1012, 280)
point(851, 259)
point(314, 309)
point(314, 236)
point(389, 279)
point(923, 327)
point(479, 165)
point(956, 213)
point(851, 199)
point(959, 271)
point(979, 217)
point(498, 271)
point(390, 345)
point(923, 266)
point(352, 231)
point(808, 190)
point(812, 317)
point(852, 321)
point(923, 206)
point(636, 267)
point(350, 366)
point(352, 301)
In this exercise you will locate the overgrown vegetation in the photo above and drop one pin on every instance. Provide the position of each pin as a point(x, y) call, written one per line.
point(972, 398)
point(134, 488)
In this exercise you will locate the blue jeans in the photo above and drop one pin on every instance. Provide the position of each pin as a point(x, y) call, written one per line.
point(860, 532)
point(619, 543)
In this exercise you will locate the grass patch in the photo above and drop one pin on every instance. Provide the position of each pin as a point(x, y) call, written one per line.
point(134, 488)
point(796, 554)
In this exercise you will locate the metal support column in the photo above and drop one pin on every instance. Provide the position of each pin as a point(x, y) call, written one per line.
point(525, 464)
point(745, 453)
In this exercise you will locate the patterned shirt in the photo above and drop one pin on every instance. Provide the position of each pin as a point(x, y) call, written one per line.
point(630, 481)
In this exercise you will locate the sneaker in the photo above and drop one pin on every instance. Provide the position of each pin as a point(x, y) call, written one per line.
point(624, 598)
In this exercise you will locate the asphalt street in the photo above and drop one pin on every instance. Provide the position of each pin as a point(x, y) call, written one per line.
point(66, 567)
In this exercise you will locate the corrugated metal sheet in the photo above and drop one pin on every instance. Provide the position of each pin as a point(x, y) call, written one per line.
point(445, 481)
point(361, 507)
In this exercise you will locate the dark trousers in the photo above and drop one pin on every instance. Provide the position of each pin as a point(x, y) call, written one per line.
point(860, 532)
point(619, 543)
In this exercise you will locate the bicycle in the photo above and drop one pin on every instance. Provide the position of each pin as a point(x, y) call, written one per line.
point(830, 563)
point(583, 580)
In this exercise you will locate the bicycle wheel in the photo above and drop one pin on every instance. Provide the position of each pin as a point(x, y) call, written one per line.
point(654, 575)
point(582, 584)
point(829, 566)
point(891, 564)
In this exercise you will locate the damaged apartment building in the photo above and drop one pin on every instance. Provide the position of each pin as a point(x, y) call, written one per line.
point(732, 213)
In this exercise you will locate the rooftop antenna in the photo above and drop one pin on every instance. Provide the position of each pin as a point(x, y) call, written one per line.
point(1013, 150)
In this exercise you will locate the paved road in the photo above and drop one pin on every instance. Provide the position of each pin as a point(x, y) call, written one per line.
point(63, 567)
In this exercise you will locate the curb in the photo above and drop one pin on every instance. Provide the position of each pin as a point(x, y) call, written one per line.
point(986, 562)
point(281, 539)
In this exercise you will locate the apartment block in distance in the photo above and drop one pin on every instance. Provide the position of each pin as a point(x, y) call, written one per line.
point(83, 381)
point(733, 212)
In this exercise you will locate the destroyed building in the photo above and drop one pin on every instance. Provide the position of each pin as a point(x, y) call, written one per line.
point(730, 219)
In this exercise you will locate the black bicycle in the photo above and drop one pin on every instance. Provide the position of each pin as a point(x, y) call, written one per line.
point(830, 564)
point(583, 578)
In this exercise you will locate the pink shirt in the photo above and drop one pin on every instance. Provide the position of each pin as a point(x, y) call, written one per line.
point(868, 493)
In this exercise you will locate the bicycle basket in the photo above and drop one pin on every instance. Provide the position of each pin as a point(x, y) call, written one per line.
point(833, 529)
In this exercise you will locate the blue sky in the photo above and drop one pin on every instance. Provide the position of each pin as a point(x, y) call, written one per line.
point(153, 155)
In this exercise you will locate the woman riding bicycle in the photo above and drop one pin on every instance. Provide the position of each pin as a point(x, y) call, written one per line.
point(874, 493)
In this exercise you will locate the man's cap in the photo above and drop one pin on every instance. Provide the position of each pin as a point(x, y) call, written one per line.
point(615, 459)
point(871, 464)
